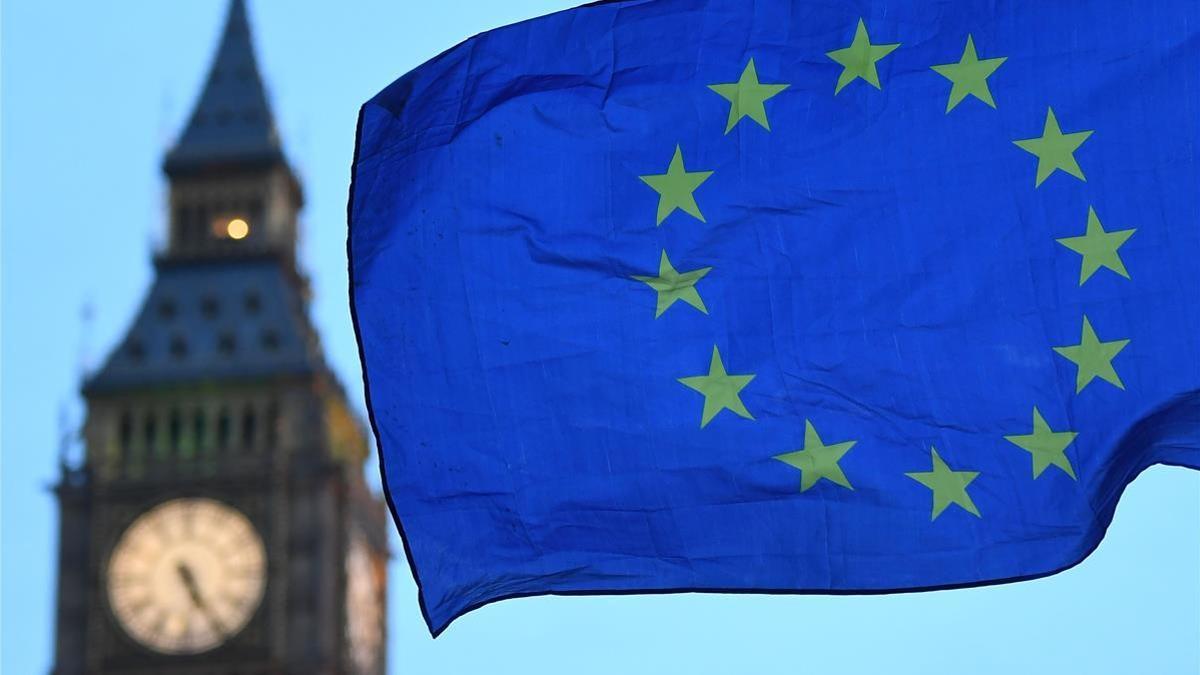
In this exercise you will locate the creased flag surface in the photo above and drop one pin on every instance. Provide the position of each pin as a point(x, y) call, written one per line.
point(779, 296)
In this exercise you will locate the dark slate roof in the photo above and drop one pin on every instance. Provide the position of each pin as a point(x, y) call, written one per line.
point(216, 320)
point(232, 120)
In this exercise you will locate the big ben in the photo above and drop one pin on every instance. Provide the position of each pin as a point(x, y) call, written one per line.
point(220, 522)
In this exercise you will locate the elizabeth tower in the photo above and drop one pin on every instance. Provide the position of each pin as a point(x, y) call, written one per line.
point(219, 522)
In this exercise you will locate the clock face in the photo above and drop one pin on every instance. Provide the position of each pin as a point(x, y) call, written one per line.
point(186, 576)
point(364, 615)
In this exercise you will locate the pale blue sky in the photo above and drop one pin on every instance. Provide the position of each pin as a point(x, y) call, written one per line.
point(92, 95)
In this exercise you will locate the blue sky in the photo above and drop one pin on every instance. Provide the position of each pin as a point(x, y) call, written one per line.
point(93, 94)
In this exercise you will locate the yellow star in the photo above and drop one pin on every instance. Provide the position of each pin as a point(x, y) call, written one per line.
point(858, 60)
point(1093, 358)
point(1055, 150)
point(948, 486)
point(1098, 248)
point(672, 286)
point(1048, 447)
point(720, 390)
point(969, 76)
point(817, 460)
point(675, 188)
point(746, 97)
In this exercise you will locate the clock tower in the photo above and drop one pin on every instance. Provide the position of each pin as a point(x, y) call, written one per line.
point(219, 522)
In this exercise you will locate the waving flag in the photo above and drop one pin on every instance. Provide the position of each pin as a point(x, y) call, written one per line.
point(787, 297)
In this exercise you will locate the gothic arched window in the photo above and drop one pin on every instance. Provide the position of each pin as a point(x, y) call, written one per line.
point(248, 427)
point(272, 425)
point(223, 429)
point(199, 430)
point(175, 429)
point(150, 433)
point(125, 433)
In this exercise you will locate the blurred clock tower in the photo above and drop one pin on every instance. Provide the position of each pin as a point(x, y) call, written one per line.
point(219, 521)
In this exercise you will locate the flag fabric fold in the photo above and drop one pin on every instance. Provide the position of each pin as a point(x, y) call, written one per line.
point(787, 297)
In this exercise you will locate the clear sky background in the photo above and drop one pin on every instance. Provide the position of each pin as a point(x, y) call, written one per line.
point(92, 95)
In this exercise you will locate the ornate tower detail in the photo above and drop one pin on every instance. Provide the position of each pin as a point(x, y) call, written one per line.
point(232, 191)
point(220, 522)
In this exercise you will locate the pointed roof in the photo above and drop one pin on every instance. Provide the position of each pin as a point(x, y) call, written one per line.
point(210, 322)
point(232, 121)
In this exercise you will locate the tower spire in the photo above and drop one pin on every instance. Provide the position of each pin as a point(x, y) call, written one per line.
point(232, 121)
point(232, 191)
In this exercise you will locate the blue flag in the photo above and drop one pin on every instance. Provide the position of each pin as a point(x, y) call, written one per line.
point(783, 297)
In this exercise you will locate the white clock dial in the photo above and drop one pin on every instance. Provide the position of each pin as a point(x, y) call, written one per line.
point(364, 613)
point(186, 576)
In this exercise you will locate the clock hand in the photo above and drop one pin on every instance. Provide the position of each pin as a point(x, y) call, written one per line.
point(189, 582)
point(193, 589)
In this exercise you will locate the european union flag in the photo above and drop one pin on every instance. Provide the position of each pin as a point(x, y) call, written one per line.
point(788, 297)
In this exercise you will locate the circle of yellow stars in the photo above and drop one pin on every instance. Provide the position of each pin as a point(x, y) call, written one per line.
point(1055, 150)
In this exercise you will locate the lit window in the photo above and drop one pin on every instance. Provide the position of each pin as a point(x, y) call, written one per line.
point(237, 228)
